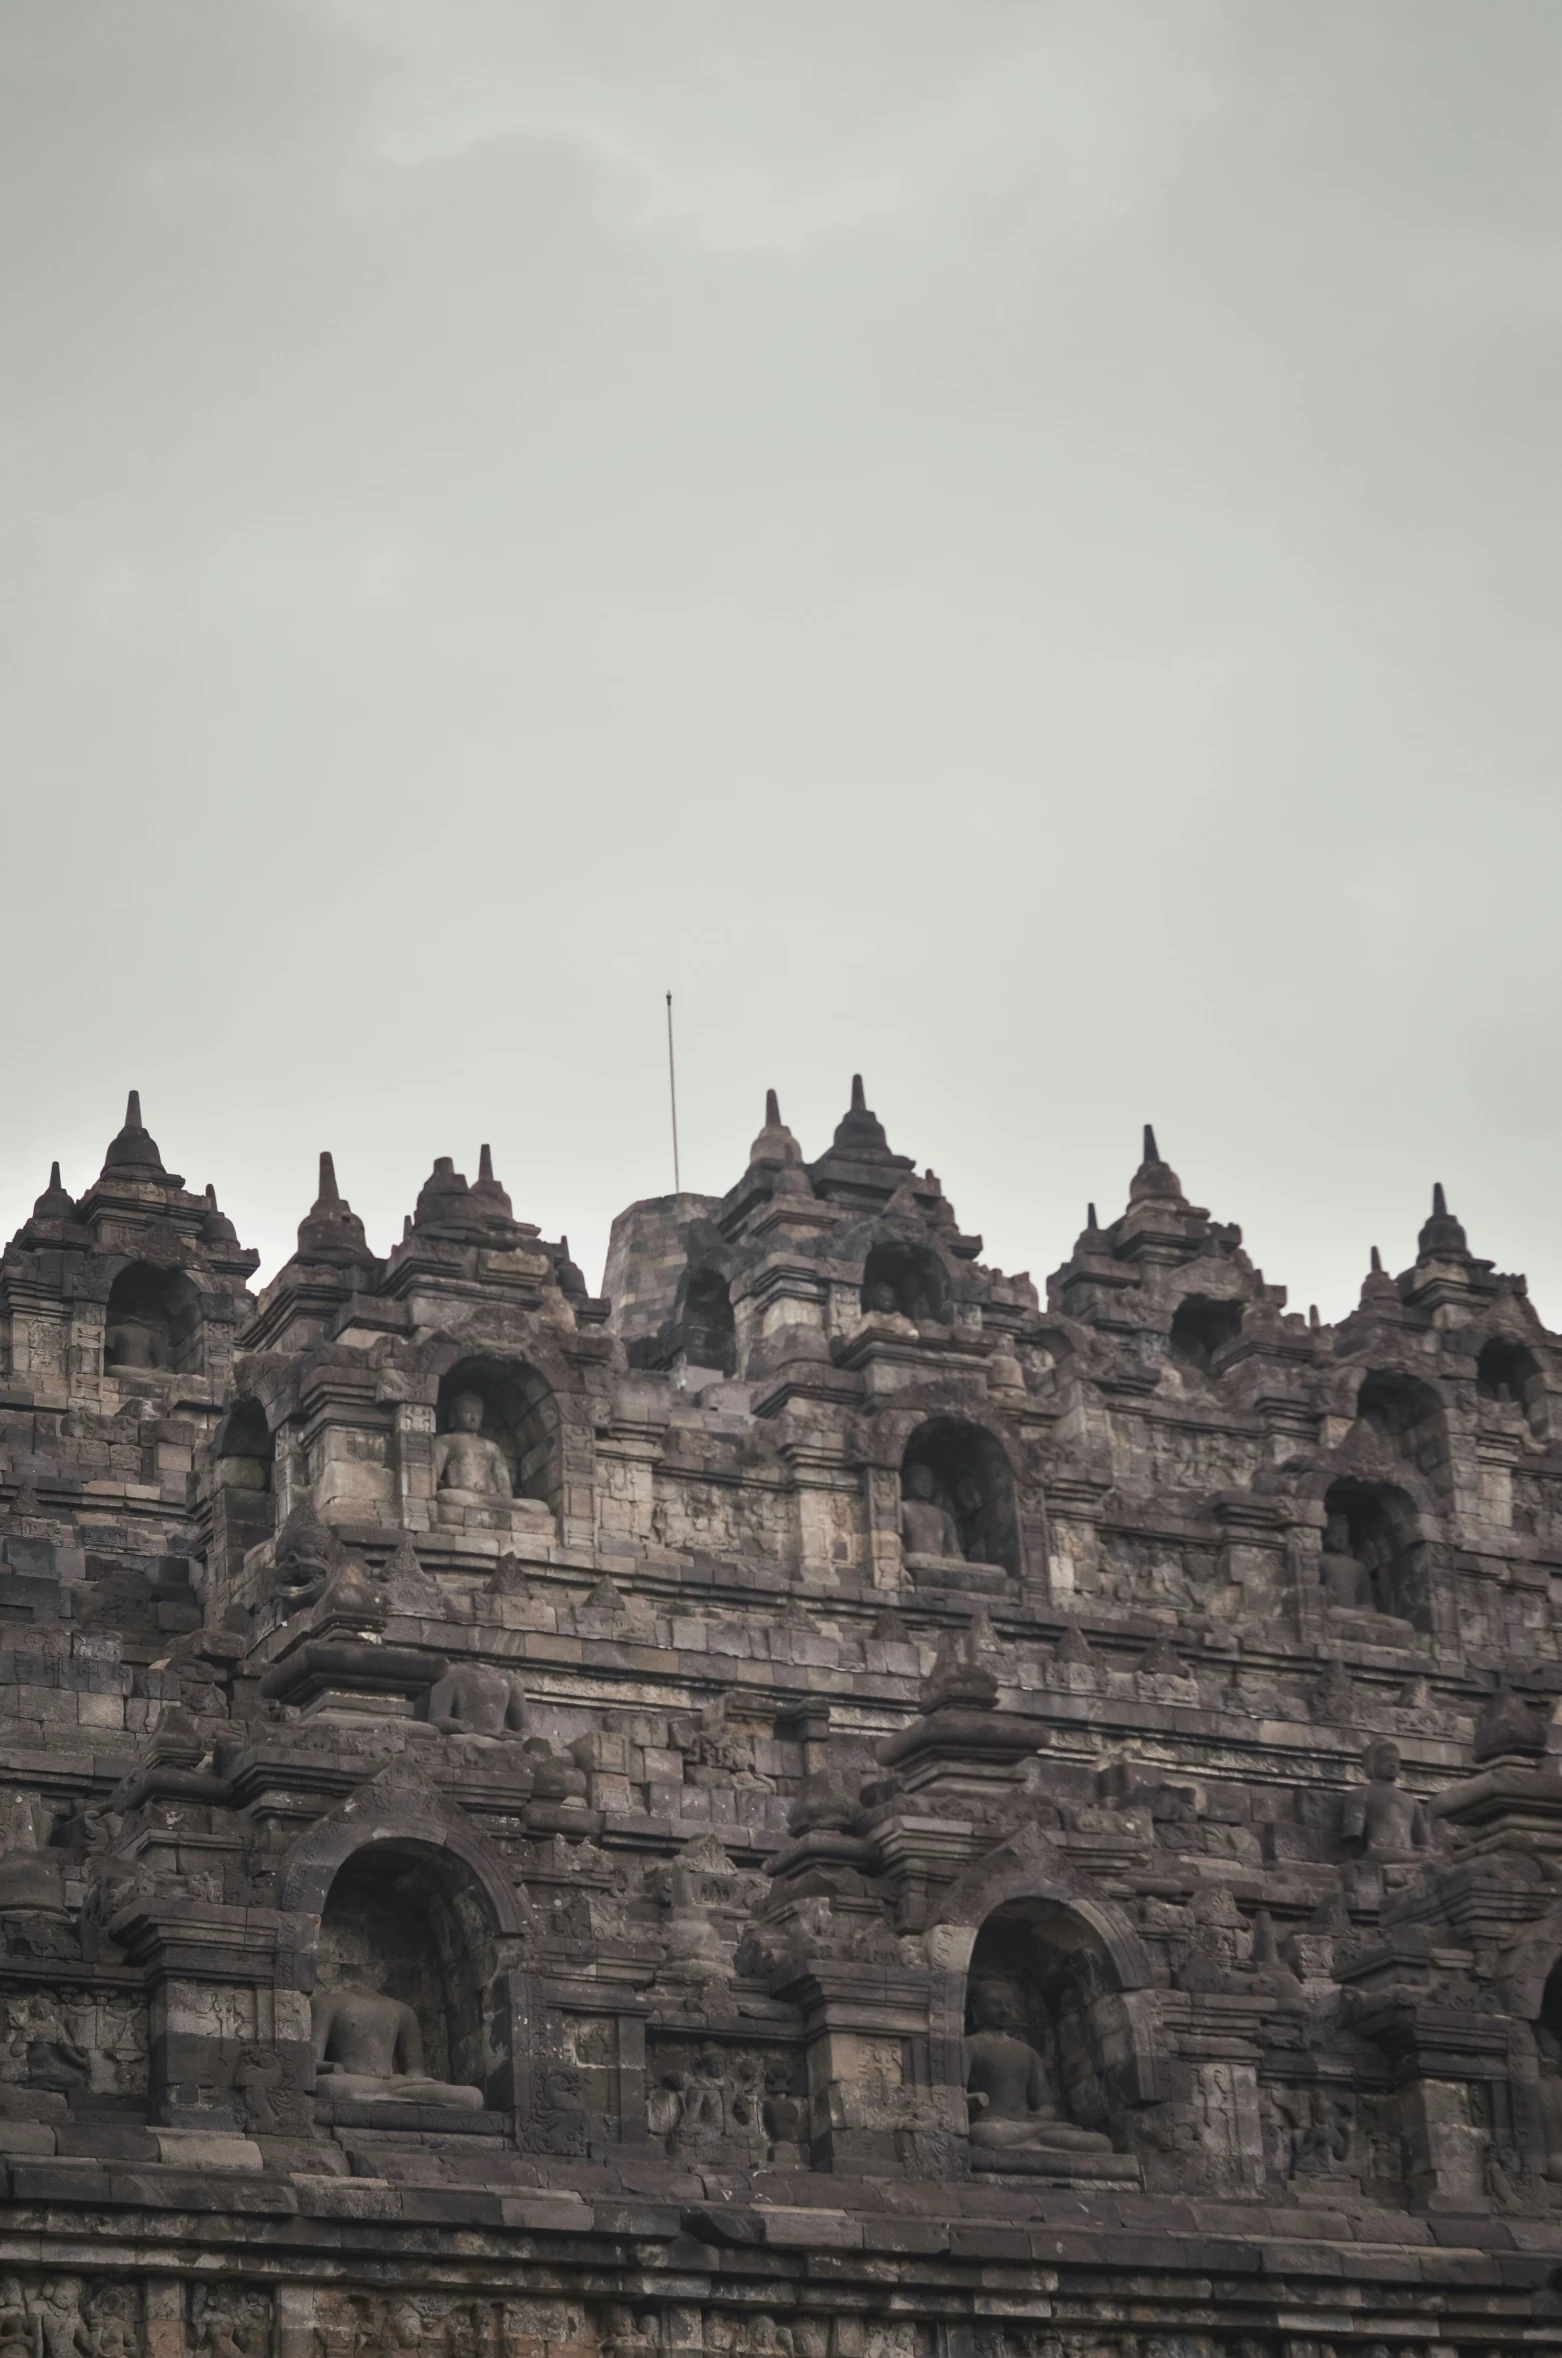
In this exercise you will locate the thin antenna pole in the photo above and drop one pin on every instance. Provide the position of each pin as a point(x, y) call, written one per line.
point(672, 1092)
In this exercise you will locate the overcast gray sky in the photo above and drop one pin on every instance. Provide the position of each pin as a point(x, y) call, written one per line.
point(1010, 544)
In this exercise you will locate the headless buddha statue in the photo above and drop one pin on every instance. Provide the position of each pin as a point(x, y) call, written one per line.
point(474, 1699)
point(369, 2048)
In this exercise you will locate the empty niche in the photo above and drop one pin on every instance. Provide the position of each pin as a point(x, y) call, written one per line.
point(904, 1280)
point(1406, 1416)
point(244, 1451)
point(1548, 2044)
point(1201, 1329)
point(152, 1321)
point(707, 1331)
point(1508, 1373)
point(243, 1462)
point(520, 1417)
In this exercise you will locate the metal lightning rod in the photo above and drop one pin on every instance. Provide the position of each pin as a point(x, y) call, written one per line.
point(672, 1092)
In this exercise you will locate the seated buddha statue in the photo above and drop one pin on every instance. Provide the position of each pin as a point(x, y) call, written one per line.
point(475, 1699)
point(882, 1305)
point(369, 2047)
point(1342, 1575)
point(1388, 1822)
point(472, 1479)
point(469, 1468)
point(927, 1527)
point(931, 1547)
point(1010, 2104)
point(132, 1341)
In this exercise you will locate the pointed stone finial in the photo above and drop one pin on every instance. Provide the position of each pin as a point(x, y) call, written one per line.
point(217, 1228)
point(961, 1674)
point(406, 1227)
point(331, 1230)
point(566, 1276)
point(488, 1197)
point(1161, 1660)
point(1379, 1293)
point(133, 1152)
point(1442, 1238)
point(775, 1143)
point(1155, 1180)
point(859, 1132)
point(54, 1203)
point(1073, 1662)
point(442, 1205)
point(1313, 1320)
point(1092, 1224)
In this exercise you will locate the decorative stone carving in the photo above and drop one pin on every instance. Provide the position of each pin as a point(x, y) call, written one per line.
point(719, 1754)
point(309, 1825)
point(306, 1554)
point(1388, 1822)
point(30, 1879)
point(708, 2104)
point(229, 2322)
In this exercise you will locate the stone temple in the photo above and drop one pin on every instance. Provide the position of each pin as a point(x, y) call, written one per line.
point(823, 1803)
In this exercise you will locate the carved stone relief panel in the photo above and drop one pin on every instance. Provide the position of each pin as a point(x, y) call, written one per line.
point(589, 2048)
point(58, 2314)
point(725, 2104)
point(447, 2325)
point(66, 2040)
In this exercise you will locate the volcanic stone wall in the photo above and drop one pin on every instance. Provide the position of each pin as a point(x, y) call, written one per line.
point(819, 1804)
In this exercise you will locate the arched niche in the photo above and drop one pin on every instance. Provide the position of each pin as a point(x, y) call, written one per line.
point(244, 1452)
point(1508, 1374)
point(1405, 1415)
point(1201, 1328)
point(963, 1470)
point(520, 1414)
point(905, 1280)
point(411, 1923)
point(1548, 2052)
point(243, 1463)
point(1043, 1971)
point(1374, 1556)
point(707, 1330)
point(152, 1321)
